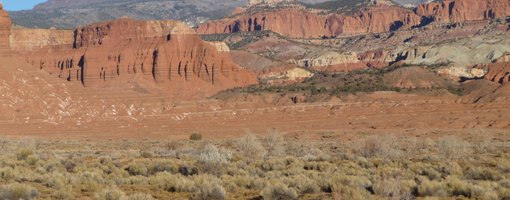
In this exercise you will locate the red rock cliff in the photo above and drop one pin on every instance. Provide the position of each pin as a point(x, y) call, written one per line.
point(163, 53)
point(302, 23)
point(5, 28)
point(465, 10)
point(291, 22)
point(378, 19)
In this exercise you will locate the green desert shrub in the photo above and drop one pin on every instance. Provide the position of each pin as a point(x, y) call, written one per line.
point(278, 191)
point(18, 191)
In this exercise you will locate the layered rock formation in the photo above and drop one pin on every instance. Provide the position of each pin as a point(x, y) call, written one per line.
point(5, 28)
point(162, 53)
point(302, 23)
point(23, 39)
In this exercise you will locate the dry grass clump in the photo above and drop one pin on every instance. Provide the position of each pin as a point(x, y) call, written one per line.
point(273, 167)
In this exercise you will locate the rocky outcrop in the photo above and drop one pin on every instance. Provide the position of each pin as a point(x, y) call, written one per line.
point(297, 22)
point(499, 70)
point(163, 53)
point(324, 59)
point(220, 46)
point(457, 11)
point(463, 72)
point(23, 39)
point(5, 28)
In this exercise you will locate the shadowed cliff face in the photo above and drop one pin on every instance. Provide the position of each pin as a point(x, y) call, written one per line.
point(164, 54)
point(302, 23)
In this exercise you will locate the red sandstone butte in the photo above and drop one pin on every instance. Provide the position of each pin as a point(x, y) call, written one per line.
point(167, 54)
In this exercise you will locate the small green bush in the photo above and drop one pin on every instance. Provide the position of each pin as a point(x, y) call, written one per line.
point(195, 136)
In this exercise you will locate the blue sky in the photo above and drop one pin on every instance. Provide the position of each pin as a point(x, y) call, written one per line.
point(20, 4)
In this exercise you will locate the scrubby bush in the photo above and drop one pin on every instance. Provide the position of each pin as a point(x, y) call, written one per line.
point(453, 148)
point(352, 193)
point(137, 169)
point(18, 191)
point(172, 183)
point(208, 188)
point(278, 191)
point(110, 194)
point(250, 146)
point(23, 154)
point(213, 158)
point(63, 194)
point(275, 144)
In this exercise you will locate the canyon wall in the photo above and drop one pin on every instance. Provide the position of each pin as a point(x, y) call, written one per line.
point(5, 28)
point(289, 22)
point(303, 23)
point(166, 54)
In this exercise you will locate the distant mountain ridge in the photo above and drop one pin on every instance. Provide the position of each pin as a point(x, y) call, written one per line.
point(67, 14)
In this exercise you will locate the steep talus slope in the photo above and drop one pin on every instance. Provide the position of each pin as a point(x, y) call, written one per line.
point(296, 22)
point(164, 56)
